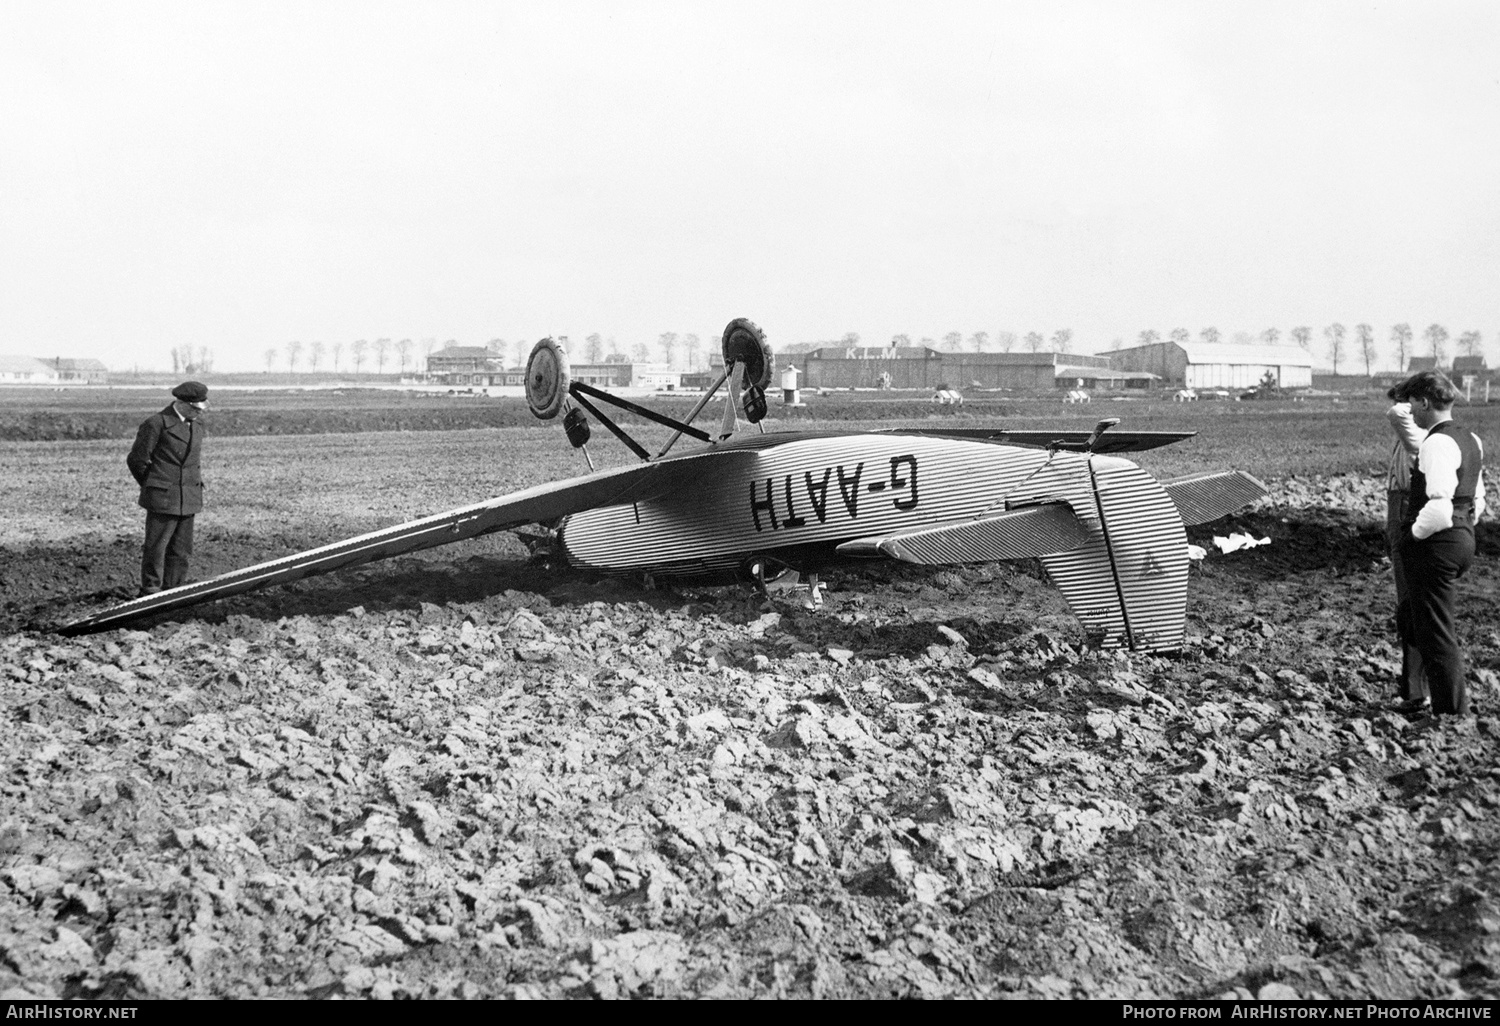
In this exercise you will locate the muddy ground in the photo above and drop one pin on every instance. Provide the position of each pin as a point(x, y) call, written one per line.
point(460, 775)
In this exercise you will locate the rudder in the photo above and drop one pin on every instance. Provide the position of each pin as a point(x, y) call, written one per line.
point(1128, 583)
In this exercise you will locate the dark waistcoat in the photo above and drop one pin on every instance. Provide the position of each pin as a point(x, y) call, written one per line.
point(1468, 478)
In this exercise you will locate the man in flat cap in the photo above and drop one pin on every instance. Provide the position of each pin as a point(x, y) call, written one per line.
point(165, 462)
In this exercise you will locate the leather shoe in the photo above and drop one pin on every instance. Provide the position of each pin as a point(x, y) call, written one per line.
point(1408, 706)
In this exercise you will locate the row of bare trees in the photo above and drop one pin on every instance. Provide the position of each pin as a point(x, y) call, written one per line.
point(979, 341)
point(360, 355)
point(688, 350)
point(1434, 336)
point(1340, 346)
point(188, 359)
point(670, 348)
point(364, 355)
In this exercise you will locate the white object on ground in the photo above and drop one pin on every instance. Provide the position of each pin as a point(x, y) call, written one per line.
point(1237, 541)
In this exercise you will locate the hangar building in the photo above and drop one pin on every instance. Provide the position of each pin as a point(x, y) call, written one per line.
point(26, 369)
point(923, 367)
point(79, 370)
point(1217, 365)
point(1030, 371)
point(866, 367)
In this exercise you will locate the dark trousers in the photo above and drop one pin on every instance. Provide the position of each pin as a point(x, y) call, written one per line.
point(1413, 682)
point(1433, 567)
point(169, 547)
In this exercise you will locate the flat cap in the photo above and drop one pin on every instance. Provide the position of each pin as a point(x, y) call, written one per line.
point(191, 392)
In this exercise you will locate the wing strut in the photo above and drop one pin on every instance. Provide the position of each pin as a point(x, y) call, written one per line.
point(577, 389)
point(550, 391)
point(614, 429)
point(697, 409)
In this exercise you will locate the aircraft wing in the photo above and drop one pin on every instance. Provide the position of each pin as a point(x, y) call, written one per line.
point(639, 483)
point(1015, 534)
point(1072, 441)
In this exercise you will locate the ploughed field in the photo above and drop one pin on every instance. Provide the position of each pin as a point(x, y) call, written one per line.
point(460, 773)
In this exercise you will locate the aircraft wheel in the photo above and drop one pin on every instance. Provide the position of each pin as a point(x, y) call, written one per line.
point(763, 570)
point(546, 379)
point(745, 343)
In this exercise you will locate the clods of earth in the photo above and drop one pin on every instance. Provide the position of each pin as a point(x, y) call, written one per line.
point(465, 777)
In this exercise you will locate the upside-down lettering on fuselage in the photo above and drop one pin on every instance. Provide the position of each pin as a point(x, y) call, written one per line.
point(809, 500)
point(800, 492)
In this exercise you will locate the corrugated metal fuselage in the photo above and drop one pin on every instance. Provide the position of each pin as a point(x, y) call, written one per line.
point(800, 498)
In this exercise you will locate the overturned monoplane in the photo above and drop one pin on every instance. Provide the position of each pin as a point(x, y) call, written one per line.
point(753, 506)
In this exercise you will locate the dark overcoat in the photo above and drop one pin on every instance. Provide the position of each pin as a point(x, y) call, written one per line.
point(165, 462)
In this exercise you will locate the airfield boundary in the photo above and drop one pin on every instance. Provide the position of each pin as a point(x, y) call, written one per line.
point(39, 415)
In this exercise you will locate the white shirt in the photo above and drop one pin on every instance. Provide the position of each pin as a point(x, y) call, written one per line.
point(1408, 442)
point(1439, 460)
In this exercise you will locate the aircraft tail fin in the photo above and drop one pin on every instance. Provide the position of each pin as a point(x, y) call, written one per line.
point(1128, 583)
point(1109, 535)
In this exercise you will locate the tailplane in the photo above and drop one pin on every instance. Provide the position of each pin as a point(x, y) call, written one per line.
point(1206, 497)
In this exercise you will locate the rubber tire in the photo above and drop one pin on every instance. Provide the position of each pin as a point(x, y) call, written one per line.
point(547, 379)
point(745, 343)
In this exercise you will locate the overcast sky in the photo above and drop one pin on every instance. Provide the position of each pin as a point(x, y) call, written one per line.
point(239, 175)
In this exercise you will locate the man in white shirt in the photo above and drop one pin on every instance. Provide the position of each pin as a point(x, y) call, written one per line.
point(1437, 544)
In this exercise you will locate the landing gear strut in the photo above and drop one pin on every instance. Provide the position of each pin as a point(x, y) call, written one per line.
point(770, 580)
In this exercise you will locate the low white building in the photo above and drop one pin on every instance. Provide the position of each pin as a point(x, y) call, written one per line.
point(1217, 365)
point(26, 370)
point(657, 376)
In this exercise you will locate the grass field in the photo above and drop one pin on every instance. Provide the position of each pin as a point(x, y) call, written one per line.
point(1269, 439)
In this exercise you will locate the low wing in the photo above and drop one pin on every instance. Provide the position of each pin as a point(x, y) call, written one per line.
point(1205, 497)
point(639, 483)
point(1071, 441)
point(1016, 534)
